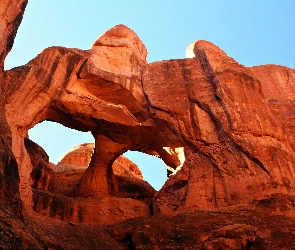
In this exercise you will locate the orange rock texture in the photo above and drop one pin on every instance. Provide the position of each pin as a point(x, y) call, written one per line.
point(225, 132)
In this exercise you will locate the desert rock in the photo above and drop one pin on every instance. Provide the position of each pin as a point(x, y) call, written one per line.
point(230, 135)
point(11, 16)
point(225, 132)
point(54, 188)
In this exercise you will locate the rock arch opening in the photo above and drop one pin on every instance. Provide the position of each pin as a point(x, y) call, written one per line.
point(56, 139)
point(153, 169)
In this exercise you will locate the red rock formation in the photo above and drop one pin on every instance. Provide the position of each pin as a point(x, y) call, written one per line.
point(54, 188)
point(278, 87)
point(79, 155)
point(276, 81)
point(73, 164)
point(10, 18)
point(224, 130)
point(230, 136)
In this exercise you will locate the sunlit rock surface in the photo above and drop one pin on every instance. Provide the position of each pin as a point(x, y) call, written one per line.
point(225, 132)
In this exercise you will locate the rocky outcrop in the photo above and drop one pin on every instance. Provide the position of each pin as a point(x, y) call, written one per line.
point(70, 169)
point(80, 155)
point(230, 135)
point(278, 88)
point(11, 16)
point(14, 234)
point(239, 228)
point(54, 188)
point(225, 132)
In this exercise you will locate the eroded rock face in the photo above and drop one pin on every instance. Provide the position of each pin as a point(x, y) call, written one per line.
point(54, 188)
point(230, 135)
point(70, 169)
point(120, 51)
point(225, 131)
point(278, 88)
point(11, 14)
point(80, 156)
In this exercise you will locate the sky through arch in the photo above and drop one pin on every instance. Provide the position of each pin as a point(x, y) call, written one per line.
point(252, 32)
point(57, 140)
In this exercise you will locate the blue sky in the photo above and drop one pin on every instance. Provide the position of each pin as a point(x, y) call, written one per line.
point(252, 32)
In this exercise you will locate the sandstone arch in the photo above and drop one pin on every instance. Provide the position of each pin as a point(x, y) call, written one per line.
point(71, 87)
point(205, 112)
point(234, 125)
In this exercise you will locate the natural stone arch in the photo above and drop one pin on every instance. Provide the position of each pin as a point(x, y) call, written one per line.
point(64, 203)
point(237, 152)
point(207, 112)
point(67, 86)
point(98, 179)
point(78, 156)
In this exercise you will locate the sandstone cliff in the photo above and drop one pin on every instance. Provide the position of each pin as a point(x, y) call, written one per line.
point(11, 16)
point(225, 132)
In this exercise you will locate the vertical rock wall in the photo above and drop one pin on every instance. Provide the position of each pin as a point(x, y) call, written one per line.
point(11, 13)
